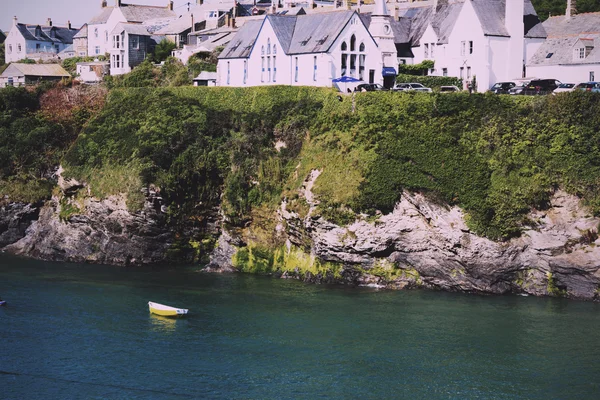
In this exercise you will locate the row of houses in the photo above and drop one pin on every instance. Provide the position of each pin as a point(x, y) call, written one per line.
point(315, 42)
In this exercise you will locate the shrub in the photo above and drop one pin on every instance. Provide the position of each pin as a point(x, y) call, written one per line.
point(433, 82)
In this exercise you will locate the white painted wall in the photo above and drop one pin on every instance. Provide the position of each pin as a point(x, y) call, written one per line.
point(566, 73)
point(14, 39)
point(98, 33)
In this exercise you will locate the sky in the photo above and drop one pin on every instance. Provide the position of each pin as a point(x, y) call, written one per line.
point(61, 11)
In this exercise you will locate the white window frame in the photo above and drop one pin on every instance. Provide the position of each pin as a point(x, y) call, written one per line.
point(245, 71)
point(296, 70)
point(274, 69)
point(463, 47)
point(228, 73)
point(426, 50)
point(315, 68)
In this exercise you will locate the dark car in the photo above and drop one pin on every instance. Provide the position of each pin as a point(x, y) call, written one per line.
point(369, 87)
point(541, 86)
point(589, 87)
point(502, 87)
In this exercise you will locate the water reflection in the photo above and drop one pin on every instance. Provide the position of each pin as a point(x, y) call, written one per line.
point(162, 324)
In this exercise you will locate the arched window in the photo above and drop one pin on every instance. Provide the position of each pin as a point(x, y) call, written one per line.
point(268, 46)
point(274, 49)
point(361, 48)
point(262, 50)
point(361, 61)
point(352, 43)
point(344, 46)
point(106, 36)
point(96, 33)
point(19, 48)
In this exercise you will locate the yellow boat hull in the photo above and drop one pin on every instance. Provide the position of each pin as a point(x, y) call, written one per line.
point(166, 311)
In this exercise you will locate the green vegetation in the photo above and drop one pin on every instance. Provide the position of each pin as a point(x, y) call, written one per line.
point(163, 50)
point(30, 146)
point(545, 8)
point(433, 82)
point(497, 157)
point(70, 64)
point(552, 288)
point(2, 55)
point(416, 69)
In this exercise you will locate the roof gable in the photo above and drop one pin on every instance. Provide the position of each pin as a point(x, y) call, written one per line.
point(41, 33)
point(103, 17)
point(316, 33)
point(139, 14)
point(243, 42)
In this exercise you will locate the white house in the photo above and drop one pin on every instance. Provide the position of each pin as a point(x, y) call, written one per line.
point(308, 50)
point(488, 40)
point(102, 25)
point(572, 51)
point(37, 41)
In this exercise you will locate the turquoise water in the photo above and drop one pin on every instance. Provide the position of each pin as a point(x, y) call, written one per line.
point(84, 332)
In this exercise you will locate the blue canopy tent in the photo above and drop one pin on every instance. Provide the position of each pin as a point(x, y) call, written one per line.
point(345, 80)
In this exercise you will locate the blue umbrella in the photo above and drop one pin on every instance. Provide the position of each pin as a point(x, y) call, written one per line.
point(345, 79)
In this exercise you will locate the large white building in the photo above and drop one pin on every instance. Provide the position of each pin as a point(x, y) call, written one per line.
point(309, 50)
point(483, 40)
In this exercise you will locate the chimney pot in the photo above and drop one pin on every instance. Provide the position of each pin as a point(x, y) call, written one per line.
point(117, 3)
point(104, 4)
point(170, 6)
point(69, 24)
point(15, 19)
point(49, 22)
point(571, 8)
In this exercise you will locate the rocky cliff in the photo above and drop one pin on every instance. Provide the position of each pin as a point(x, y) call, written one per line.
point(423, 244)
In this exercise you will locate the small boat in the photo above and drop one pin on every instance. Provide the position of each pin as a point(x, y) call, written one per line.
point(2, 303)
point(166, 311)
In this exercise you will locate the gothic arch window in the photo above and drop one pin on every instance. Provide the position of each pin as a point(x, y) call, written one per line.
point(361, 61)
point(268, 46)
point(262, 50)
point(344, 46)
point(352, 43)
point(361, 48)
point(344, 60)
point(274, 49)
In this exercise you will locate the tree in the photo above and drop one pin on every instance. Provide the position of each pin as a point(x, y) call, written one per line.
point(163, 50)
point(546, 8)
point(2, 60)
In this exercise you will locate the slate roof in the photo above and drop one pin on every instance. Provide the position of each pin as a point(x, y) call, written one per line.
point(17, 69)
point(2, 37)
point(83, 32)
point(563, 36)
point(137, 13)
point(102, 17)
point(54, 34)
point(491, 14)
point(241, 45)
point(205, 75)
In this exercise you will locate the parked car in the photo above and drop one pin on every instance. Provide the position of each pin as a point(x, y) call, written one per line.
point(502, 87)
point(589, 87)
point(541, 86)
point(449, 89)
point(369, 87)
point(411, 87)
point(564, 87)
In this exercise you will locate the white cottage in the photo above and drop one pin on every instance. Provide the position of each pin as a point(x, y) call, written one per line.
point(306, 50)
point(102, 25)
point(572, 51)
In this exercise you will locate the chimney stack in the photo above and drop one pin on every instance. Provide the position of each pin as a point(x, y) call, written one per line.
point(571, 8)
point(15, 20)
point(104, 4)
point(199, 2)
point(193, 24)
point(49, 22)
point(170, 6)
point(69, 24)
point(117, 3)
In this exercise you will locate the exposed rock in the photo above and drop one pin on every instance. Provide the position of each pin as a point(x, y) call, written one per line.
point(422, 244)
point(104, 232)
point(15, 218)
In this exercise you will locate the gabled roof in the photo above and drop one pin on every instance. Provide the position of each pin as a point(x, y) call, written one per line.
point(564, 34)
point(206, 76)
point(139, 14)
point(132, 29)
point(17, 69)
point(241, 45)
point(298, 34)
point(83, 32)
point(44, 33)
point(102, 17)
point(491, 14)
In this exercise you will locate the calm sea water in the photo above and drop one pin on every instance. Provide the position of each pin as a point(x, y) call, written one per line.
point(84, 332)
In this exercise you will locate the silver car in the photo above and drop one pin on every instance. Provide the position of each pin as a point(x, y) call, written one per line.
point(411, 87)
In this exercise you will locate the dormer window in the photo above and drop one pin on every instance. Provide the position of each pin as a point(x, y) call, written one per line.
point(582, 51)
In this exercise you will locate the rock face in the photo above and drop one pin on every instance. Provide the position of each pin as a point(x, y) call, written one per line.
point(421, 244)
point(15, 218)
point(104, 232)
